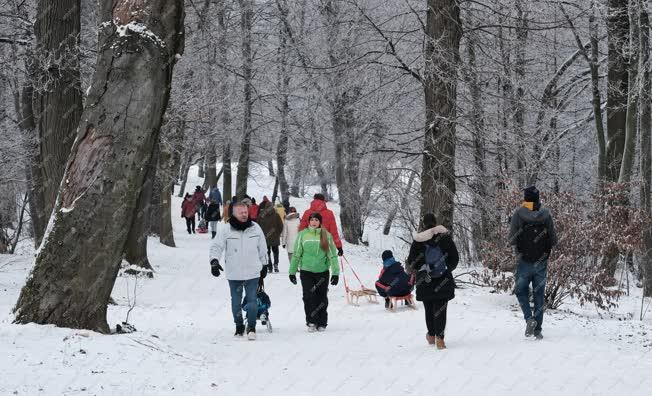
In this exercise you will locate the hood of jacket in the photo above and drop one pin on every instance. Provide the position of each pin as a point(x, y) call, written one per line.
point(533, 216)
point(317, 205)
point(429, 233)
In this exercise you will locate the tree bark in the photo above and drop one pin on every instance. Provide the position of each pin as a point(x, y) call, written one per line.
point(443, 31)
point(631, 118)
point(211, 169)
point(227, 190)
point(284, 88)
point(617, 88)
point(166, 184)
point(57, 99)
point(77, 265)
point(246, 22)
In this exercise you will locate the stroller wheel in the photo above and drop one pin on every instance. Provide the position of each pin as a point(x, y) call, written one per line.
point(263, 319)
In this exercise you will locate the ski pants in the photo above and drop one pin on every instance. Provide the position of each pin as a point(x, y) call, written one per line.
point(315, 297)
point(436, 317)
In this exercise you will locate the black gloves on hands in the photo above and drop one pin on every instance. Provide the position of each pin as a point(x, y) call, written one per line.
point(293, 279)
point(263, 272)
point(340, 252)
point(216, 267)
point(334, 280)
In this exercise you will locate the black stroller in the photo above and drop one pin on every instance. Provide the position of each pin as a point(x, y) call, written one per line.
point(264, 303)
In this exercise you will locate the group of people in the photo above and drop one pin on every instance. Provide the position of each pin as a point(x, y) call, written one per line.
point(243, 245)
point(205, 208)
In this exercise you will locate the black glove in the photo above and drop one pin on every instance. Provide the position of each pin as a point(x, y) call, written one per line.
point(216, 267)
point(293, 279)
point(340, 252)
point(334, 280)
point(283, 246)
point(263, 272)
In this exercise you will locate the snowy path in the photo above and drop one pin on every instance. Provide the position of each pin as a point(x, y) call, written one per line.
point(184, 344)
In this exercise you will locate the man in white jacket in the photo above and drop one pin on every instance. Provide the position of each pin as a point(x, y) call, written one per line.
point(241, 243)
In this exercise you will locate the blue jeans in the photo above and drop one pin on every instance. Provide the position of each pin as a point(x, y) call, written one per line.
point(250, 286)
point(527, 272)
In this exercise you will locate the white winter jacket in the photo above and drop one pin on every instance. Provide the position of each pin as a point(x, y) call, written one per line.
point(244, 252)
point(290, 231)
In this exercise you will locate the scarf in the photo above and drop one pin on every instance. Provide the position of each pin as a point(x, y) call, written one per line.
point(235, 223)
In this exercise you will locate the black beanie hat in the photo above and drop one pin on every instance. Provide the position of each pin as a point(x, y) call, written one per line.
point(319, 196)
point(315, 215)
point(429, 220)
point(531, 194)
point(387, 254)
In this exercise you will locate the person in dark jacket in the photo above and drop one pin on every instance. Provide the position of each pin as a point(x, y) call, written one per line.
point(393, 281)
point(188, 211)
point(272, 226)
point(213, 216)
point(532, 233)
point(435, 293)
point(199, 198)
point(216, 196)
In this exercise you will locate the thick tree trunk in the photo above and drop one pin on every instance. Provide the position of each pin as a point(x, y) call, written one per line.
point(246, 22)
point(646, 141)
point(211, 170)
point(618, 32)
point(185, 168)
point(284, 88)
point(166, 184)
point(443, 30)
point(519, 100)
point(76, 268)
point(227, 189)
point(596, 100)
point(57, 99)
point(631, 123)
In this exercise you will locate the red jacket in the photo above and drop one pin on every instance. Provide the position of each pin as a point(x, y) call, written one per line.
point(198, 197)
point(328, 220)
point(253, 211)
point(188, 208)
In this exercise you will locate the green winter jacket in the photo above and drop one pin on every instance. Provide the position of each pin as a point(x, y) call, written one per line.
point(309, 256)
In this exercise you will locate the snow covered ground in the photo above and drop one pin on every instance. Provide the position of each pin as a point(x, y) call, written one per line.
point(184, 343)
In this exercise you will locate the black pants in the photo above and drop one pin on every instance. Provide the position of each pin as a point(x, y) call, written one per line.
point(315, 297)
point(190, 223)
point(269, 259)
point(436, 317)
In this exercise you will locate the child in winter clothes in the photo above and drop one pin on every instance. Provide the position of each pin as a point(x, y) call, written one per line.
point(290, 231)
point(314, 254)
point(188, 211)
point(213, 216)
point(393, 281)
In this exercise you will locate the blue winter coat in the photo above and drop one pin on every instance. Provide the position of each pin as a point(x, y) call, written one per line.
point(216, 195)
point(393, 281)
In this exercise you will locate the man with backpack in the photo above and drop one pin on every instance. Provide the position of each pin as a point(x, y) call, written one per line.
point(532, 233)
point(433, 257)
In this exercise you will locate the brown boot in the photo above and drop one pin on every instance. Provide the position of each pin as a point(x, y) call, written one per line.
point(430, 339)
point(440, 343)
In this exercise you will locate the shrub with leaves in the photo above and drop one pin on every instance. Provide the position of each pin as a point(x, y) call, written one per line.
point(587, 231)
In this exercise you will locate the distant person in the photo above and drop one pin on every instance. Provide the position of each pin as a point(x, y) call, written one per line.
point(272, 227)
point(216, 196)
point(280, 210)
point(290, 231)
point(253, 209)
point(188, 211)
point(532, 233)
point(244, 265)
point(314, 255)
point(199, 198)
point(433, 257)
point(392, 281)
point(213, 216)
point(318, 205)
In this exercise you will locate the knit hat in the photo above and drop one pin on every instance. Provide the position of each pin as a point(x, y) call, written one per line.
point(319, 196)
point(315, 215)
point(429, 220)
point(531, 194)
point(387, 254)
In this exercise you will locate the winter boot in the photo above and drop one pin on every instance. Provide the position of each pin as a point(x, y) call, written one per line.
point(213, 233)
point(321, 329)
point(439, 341)
point(239, 331)
point(251, 333)
point(431, 339)
point(276, 268)
point(530, 325)
point(269, 268)
point(538, 335)
point(387, 302)
point(311, 327)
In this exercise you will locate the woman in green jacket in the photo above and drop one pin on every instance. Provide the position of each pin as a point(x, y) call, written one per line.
point(314, 254)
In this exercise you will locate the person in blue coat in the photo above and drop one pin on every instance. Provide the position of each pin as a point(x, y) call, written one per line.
point(393, 281)
point(216, 196)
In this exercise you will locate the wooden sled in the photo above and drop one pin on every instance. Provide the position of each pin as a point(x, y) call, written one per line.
point(364, 292)
point(407, 301)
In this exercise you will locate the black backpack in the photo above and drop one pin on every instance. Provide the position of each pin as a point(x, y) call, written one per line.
point(534, 242)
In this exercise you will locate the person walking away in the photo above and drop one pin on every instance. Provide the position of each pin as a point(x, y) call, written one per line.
point(272, 227)
point(216, 196)
point(241, 246)
point(213, 216)
point(532, 233)
point(188, 211)
point(433, 257)
point(253, 209)
point(199, 197)
point(280, 210)
point(314, 255)
point(318, 205)
point(392, 281)
point(290, 231)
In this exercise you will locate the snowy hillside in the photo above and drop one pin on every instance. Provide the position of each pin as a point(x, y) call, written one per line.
point(184, 343)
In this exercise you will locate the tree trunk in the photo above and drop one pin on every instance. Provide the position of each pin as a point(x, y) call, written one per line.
point(228, 182)
point(631, 123)
point(284, 88)
point(405, 194)
point(596, 100)
point(211, 169)
point(443, 30)
point(57, 98)
point(166, 184)
point(201, 168)
point(646, 141)
point(246, 22)
point(617, 87)
point(184, 174)
point(76, 268)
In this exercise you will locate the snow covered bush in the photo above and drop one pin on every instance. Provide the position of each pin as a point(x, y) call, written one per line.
point(588, 231)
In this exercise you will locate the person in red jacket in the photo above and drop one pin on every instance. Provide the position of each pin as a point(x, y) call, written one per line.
point(188, 211)
point(318, 205)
